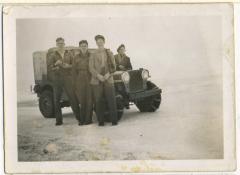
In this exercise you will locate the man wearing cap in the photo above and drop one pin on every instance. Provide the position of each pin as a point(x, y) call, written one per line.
point(122, 60)
point(102, 66)
point(81, 79)
point(59, 66)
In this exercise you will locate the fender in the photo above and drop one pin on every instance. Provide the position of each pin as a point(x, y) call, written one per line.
point(42, 85)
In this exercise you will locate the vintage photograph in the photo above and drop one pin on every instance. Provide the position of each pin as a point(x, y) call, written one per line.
point(95, 82)
point(123, 82)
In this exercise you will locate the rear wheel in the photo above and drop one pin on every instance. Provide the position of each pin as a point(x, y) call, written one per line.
point(149, 104)
point(46, 104)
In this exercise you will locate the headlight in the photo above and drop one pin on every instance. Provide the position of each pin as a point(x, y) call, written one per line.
point(145, 74)
point(125, 77)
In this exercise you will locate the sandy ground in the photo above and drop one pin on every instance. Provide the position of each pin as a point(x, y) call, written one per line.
point(188, 125)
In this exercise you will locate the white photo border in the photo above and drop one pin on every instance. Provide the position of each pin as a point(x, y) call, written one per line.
point(11, 13)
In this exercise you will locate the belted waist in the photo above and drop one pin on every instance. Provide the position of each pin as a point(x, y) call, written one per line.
point(84, 73)
point(103, 70)
point(82, 69)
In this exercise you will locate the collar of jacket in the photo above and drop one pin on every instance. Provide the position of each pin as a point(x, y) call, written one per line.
point(57, 52)
point(122, 56)
point(86, 55)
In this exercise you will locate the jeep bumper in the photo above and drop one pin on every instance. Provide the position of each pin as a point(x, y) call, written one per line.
point(143, 94)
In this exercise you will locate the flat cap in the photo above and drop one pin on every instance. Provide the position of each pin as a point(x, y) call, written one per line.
point(59, 39)
point(99, 37)
point(83, 41)
point(122, 45)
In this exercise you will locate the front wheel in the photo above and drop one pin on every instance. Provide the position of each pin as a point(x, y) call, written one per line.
point(46, 104)
point(149, 104)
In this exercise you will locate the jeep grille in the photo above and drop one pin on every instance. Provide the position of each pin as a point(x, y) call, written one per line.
point(136, 81)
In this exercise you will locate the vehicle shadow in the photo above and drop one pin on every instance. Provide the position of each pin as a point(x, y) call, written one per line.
point(132, 115)
point(128, 115)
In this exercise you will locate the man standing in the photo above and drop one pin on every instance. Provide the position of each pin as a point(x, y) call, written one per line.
point(122, 60)
point(81, 79)
point(60, 65)
point(102, 66)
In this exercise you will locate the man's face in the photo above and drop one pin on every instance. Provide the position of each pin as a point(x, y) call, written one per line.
point(100, 42)
point(122, 50)
point(60, 44)
point(83, 47)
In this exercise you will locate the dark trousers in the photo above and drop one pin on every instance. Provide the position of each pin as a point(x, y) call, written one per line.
point(105, 92)
point(65, 83)
point(83, 91)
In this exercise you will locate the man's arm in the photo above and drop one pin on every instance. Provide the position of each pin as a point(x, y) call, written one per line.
point(116, 62)
point(74, 70)
point(129, 65)
point(91, 66)
point(66, 65)
point(110, 54)
point(113, 63)
point(51, 62)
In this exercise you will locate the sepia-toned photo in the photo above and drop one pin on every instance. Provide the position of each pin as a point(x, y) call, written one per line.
point(119, 83)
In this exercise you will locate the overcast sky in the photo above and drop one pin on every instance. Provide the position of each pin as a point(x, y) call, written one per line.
point(172, 48)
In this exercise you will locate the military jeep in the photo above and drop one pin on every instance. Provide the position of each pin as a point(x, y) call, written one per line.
point(132, 87)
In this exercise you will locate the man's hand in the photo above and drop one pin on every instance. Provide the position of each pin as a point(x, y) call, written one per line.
point(106, 76)
point(55, 68)
point(58, 63)
point(121, 67)
point(65, 65)
point(100, 78)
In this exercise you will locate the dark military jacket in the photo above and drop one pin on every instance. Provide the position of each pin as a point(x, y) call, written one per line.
point(80, 66)
point(58, 71)
point(124, 61)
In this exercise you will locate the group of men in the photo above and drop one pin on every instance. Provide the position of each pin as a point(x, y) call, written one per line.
point(87, 79)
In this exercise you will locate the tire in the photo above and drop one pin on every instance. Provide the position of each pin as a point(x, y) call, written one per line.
point(149, 104)
point(46, 104)
point(120, 109)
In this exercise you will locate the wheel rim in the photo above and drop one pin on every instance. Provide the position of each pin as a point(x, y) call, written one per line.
point(46, 106)
point(46, 103)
